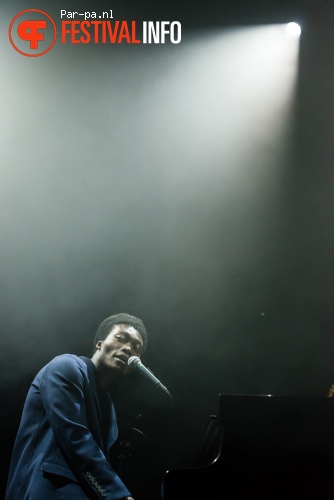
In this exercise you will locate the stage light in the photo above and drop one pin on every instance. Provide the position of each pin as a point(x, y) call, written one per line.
point(292, 30)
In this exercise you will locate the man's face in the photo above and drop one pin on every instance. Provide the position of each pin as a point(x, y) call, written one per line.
point(122, 342)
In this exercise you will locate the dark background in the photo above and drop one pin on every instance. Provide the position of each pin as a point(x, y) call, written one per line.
point(176, 185)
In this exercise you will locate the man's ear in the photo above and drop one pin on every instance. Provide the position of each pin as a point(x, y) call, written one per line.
point(98, 344)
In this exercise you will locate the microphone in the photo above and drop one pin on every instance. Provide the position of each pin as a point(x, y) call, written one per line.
point(135, 364)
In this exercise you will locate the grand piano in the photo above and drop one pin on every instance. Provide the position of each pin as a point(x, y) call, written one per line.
point(262, 447)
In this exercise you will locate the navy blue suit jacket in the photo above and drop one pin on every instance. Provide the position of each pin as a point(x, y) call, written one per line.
point(62, 447)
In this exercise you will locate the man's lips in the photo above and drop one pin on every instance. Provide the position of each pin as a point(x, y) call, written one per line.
point(122, 358)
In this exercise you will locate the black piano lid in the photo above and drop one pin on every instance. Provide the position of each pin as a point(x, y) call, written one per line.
point(272, 447)
point(272, 426)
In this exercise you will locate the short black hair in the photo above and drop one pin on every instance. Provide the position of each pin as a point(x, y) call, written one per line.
point(120, 319)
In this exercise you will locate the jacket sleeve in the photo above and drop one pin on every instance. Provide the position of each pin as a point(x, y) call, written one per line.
point(62, 393)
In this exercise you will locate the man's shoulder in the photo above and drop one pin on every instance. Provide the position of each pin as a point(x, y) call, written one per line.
point(66, 359)
point(67, 363)
point(67, 370)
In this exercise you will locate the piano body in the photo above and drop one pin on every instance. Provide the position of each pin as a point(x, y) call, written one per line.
point(263, 447)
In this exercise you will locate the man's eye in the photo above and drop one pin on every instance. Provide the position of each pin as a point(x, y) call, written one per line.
point(121, 339)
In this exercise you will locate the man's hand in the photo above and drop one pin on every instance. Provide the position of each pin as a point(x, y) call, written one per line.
point(128, 498)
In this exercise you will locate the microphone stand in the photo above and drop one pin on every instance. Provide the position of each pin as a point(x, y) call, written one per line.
point(126, 450)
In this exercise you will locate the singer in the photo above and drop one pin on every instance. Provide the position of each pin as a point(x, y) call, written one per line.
point(69, 424)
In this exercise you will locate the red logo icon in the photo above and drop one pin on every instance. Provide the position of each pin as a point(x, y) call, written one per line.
point(32, 32)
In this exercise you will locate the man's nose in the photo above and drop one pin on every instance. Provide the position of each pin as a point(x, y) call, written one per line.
point(127, 348)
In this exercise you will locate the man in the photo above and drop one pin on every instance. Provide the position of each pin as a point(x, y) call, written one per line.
point(68, 423)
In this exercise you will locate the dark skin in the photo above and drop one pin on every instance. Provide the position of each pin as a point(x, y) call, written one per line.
point(112, 354)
